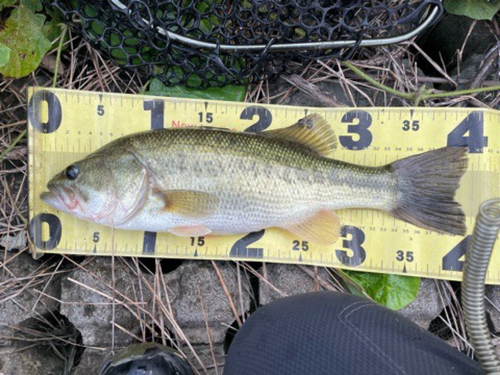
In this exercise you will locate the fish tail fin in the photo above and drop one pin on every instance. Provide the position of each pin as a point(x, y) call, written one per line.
point(426, 187)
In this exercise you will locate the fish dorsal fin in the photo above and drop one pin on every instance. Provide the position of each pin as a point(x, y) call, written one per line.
point(323, 228)
point(189, 203)
point(312, 131)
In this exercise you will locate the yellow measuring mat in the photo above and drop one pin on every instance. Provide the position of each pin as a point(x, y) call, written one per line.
point(66, 125)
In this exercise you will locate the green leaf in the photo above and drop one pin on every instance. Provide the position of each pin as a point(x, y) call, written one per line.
point(230, 92)
point(477, 9)
point(23, 34)
point(52, 30)
point(34, 5)
point(392, 291)
point(6, 3)
point(4, 55)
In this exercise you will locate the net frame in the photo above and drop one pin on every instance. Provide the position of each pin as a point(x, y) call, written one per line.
point(216, 42)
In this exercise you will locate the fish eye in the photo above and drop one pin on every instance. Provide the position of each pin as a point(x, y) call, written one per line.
point(72, 171)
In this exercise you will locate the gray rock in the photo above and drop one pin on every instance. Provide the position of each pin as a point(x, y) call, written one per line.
point(91, 362)
point(207, 358)
point(92, 313)
point(20, 300)
point(469, 70)
point(184, 283)
point(6, 333)
point(492, 293)
point(446, 38)
point(426, 307)
point(35, 360)
point(289, 279)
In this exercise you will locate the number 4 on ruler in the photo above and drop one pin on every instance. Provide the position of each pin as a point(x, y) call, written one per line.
point(474, 125)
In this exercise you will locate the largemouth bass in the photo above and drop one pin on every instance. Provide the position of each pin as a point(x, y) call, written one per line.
point(197, 181)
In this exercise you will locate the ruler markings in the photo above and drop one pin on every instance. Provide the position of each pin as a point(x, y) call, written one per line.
point(56, 150)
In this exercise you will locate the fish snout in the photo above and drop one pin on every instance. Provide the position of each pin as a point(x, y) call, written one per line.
point(52, 196)
point(58, 196)
point(46, 196)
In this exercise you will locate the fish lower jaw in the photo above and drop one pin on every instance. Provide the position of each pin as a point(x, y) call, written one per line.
point(54, 201)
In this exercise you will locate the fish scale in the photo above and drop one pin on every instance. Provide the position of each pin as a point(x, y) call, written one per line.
point(260, 181)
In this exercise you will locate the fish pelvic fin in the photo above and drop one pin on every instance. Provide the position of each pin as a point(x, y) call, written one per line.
point(189, 203)
point(190, 231)
point(426, 186)
point(313, 132)
point(323, 228)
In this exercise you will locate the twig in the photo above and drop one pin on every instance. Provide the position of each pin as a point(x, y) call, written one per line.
point(228, 295)
point(312, 90)
point(64, 28)
point(12, 145)
point(422, 93)
point(366, 77)
point(209, 336)
point(491, 59)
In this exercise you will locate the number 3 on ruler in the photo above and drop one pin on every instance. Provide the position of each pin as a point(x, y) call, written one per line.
point(354, 244)
point(365, 137)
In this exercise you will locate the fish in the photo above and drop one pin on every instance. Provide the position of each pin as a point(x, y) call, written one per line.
point(212, 181)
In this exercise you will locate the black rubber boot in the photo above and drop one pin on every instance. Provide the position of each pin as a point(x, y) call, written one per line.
point(147, 359)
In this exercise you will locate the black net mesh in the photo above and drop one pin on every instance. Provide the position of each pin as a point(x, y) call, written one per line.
point(215, 42)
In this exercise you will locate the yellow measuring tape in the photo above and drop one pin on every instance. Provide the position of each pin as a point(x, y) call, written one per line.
point(65, 125)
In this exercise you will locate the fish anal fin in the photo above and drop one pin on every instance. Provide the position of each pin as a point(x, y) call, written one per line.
point(323, 228)
point(313, 132)
point(189, 203)
point(190, 231)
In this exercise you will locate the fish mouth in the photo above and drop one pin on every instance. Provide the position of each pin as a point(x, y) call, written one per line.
point(60, 197)
point(52, 196)
point(48, 197)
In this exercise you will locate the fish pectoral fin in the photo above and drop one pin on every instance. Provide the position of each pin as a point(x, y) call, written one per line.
point(189, 203)
point(190, 231)
point(312, 131)
point(323, 228)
